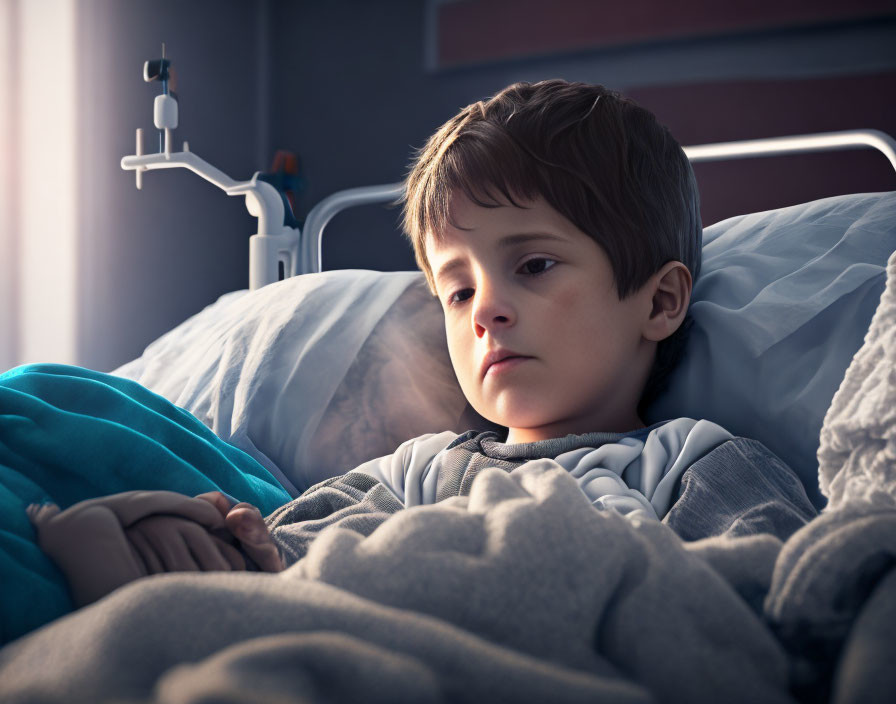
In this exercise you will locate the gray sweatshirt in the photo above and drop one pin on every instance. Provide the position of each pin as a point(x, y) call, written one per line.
point(692, 475)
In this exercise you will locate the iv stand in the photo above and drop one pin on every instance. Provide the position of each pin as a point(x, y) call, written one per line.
point(275, 242)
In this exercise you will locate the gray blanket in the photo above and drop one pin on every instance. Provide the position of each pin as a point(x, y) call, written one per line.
point(524, 592)
point(520, 592)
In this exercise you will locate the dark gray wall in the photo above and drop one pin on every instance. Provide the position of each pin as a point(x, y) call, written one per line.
point(151, 258)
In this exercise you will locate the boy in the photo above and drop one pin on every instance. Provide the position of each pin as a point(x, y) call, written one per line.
point(558, 225)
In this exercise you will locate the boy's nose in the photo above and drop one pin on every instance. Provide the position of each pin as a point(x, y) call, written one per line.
point(490, 313)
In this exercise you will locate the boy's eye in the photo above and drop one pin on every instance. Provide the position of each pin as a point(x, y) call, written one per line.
point(537, 265)
point(532, 267)
point(459, 296)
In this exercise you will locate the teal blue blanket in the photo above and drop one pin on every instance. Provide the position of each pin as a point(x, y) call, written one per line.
point(69, 434)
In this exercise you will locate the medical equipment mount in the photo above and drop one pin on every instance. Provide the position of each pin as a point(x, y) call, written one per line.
point(275, 243)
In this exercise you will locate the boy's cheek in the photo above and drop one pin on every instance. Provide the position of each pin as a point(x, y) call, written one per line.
point(460, 348)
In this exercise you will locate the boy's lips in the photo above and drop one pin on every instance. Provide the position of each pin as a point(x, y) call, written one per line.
point(496, 356)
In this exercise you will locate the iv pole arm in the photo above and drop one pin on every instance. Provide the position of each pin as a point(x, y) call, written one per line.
point(275, 243)
point(184, 159)
point(262, 199)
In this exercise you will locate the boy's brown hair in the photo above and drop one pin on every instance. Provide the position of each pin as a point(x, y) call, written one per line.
point(596, 157)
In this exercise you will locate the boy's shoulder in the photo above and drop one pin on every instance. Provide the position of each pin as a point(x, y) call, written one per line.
point(740, 488)
point(405, 472)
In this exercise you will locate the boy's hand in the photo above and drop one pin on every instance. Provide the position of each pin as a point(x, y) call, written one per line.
point(246, 524)
point(102, 544)
point(167, 543)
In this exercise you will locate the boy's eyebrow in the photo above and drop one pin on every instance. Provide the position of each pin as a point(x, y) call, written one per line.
point(503, 243)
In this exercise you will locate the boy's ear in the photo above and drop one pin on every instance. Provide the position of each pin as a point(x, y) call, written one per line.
point(670, 298)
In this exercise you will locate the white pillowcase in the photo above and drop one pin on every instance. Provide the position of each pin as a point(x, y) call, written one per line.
point(315, 374)
point(783, 302)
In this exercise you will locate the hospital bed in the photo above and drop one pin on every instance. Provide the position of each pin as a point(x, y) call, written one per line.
point(792, 344)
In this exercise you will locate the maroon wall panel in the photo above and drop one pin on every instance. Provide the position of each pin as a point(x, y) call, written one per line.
point(734, 110)
point(476, 31)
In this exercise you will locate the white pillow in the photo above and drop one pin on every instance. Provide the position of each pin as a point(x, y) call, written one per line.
point(315, 374)
point(783, 302)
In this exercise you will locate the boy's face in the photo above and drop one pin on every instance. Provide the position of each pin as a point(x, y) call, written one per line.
point(527, 282)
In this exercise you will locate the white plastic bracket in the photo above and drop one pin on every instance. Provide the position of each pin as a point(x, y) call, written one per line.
point(274, 242)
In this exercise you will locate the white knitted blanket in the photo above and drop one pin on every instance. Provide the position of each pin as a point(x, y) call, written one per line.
point(857, 453)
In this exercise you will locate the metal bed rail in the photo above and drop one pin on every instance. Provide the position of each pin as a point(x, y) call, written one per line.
point(310, 259)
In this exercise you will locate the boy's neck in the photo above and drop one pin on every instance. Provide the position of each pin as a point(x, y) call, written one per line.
point(527, 435)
